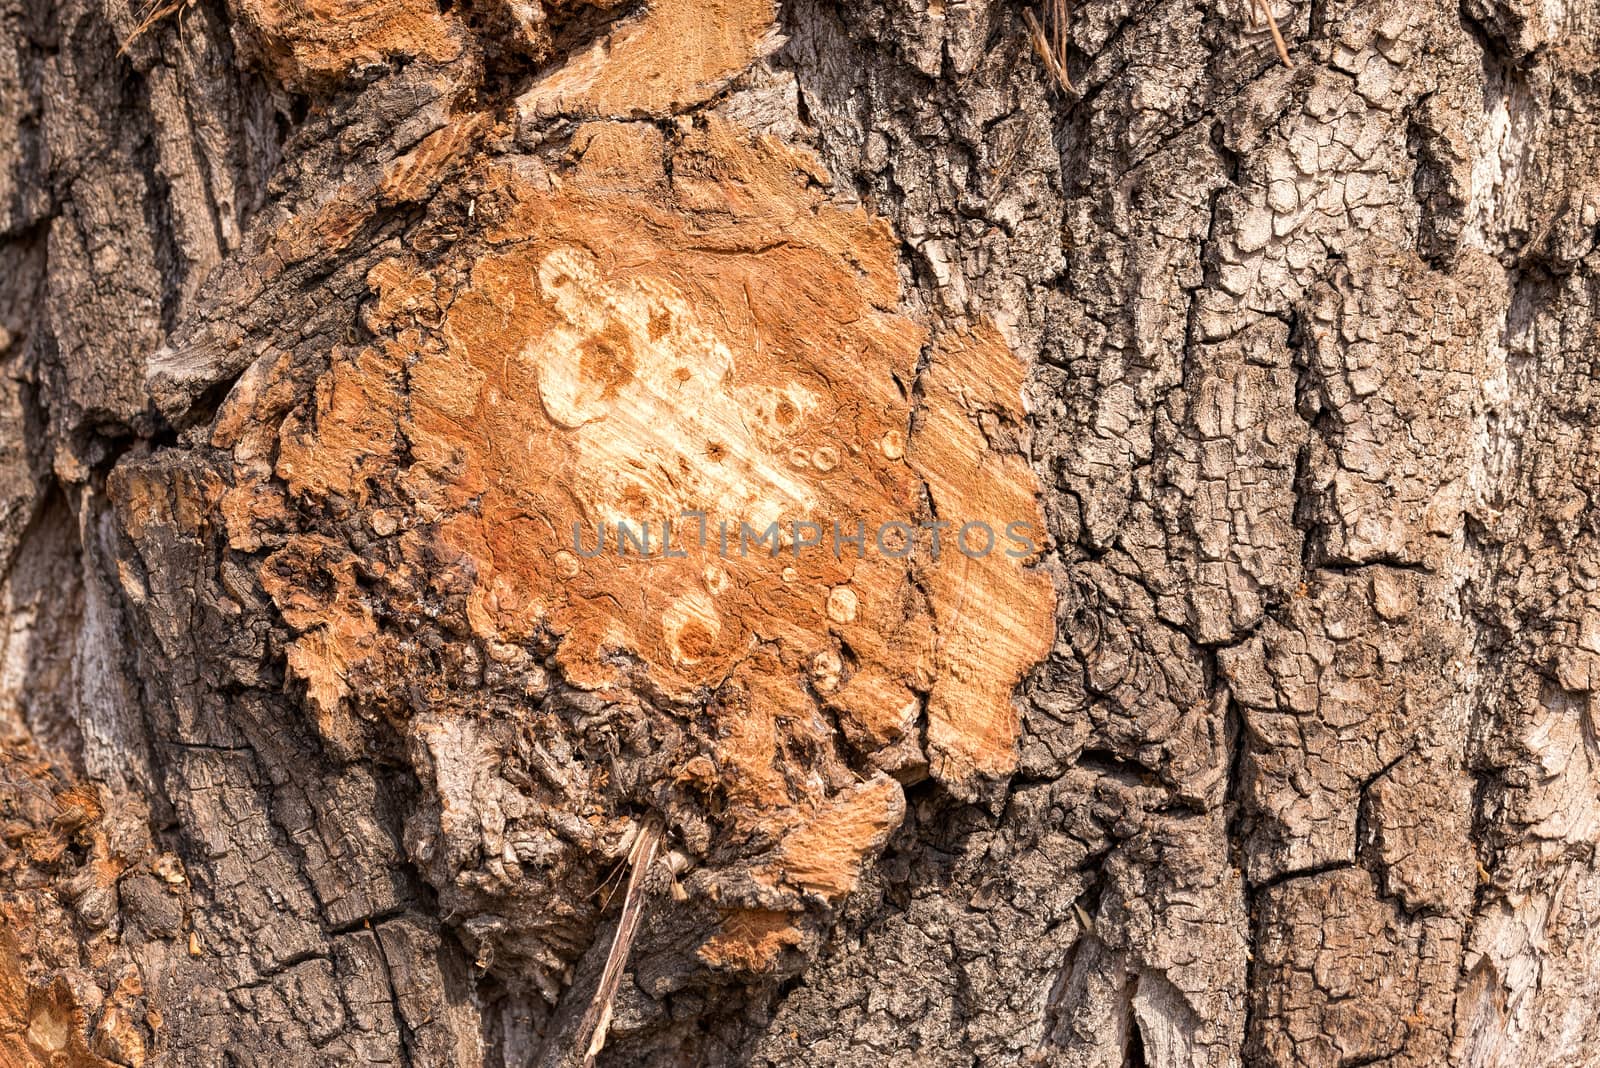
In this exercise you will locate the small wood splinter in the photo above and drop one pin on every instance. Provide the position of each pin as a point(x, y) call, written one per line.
point(1052, 46)
point(1265, 7)
point(597, 1021)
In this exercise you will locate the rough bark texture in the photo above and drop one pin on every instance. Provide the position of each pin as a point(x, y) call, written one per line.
point(322, 322)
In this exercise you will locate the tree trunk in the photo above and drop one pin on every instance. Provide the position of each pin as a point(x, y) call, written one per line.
point(399, 662)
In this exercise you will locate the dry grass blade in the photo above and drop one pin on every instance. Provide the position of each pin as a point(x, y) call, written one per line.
point(1052, 46)
point(1277, 34)
point(154, 13)
point(597, 1021)
point(615, 875)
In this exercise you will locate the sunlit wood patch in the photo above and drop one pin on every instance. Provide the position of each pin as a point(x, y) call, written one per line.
point(679, 425)
point(308, 41)
point(673, 54)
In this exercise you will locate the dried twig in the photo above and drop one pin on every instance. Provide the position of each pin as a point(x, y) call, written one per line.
point(597, 1021)
point(1277, 34)
point(1052, 46)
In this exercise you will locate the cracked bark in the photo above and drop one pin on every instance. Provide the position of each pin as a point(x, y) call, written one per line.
point(316, 320)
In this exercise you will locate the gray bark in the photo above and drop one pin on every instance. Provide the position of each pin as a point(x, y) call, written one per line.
point(1309, 776)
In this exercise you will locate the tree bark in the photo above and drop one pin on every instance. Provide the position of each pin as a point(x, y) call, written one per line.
point(330, 330)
